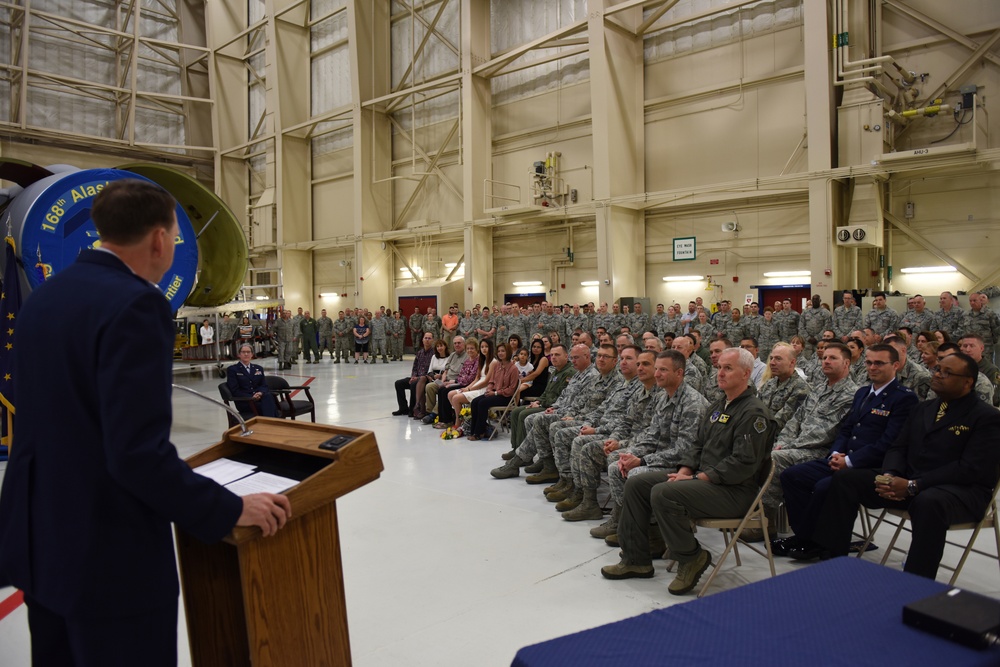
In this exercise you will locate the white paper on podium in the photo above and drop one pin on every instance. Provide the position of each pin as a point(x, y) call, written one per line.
point(261, 482)
point(225, 471)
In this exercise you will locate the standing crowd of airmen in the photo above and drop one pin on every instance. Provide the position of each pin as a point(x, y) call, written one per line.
point(684, 410)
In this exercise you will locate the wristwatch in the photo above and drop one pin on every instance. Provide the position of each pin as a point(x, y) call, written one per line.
point(911, 487)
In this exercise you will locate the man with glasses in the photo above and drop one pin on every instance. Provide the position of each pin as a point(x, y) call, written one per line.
point(983, 388)
point(877, 415)
point(941, 469)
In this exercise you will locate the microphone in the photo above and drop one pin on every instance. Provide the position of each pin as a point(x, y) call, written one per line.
point(239, 417)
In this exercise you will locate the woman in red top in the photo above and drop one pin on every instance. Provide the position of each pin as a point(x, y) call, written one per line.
point(503, 383)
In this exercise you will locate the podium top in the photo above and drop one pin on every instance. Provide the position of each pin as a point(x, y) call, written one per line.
point(285, 443)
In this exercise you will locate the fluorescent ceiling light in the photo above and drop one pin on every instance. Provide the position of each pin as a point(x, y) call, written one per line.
point(682, 279)
point(787, 274)
point(527, 283)
point(452, 265)
point(928, 269)
point(590, 283)
point(328, 295)
point(261, 298)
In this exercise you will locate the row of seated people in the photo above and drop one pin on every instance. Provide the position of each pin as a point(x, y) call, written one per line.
point(643, 423)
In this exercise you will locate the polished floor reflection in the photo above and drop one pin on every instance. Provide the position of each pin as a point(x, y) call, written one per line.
point(443, 564)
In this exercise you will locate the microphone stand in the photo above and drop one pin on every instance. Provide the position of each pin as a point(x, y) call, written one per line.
point(222, 405)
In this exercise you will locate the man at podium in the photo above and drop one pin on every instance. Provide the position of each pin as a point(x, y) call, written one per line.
point(93, 481)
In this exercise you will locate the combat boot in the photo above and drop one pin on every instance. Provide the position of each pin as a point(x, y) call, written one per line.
point(587, 510)
point(609, 527)
point(561, 493)
point(548, 472)
point(510, 469)
point(572, 501)
point(535, 467)
point(558, 486)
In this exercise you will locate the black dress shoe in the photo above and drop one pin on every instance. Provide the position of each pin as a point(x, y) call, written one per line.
point(808, 551)
point(780, 546)
point(400, 413)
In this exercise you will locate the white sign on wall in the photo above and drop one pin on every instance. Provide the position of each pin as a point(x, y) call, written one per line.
point(684, 249)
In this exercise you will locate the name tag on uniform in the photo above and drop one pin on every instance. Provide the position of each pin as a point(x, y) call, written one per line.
point(723, 419)
point(880, 413)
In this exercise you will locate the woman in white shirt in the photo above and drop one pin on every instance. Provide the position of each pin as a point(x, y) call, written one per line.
point(207, 333)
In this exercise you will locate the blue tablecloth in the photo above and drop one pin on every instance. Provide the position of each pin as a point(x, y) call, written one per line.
point(840, 612)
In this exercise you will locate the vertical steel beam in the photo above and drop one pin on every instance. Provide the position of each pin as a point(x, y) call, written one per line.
point(477, 147)
point(616, 89)
point(820, 113)
point(369, 42)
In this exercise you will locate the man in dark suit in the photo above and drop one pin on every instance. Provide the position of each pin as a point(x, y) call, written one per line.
point(941, 469)
point(246, 380)
point(876, 417)
point(93, 481)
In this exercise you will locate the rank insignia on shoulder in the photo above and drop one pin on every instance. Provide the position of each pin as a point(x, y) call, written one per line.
point(760, 424)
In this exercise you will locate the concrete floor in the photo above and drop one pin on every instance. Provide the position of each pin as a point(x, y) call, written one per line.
point(444, 565)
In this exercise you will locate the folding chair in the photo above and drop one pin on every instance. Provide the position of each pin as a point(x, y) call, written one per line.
point(733, 528)
point(499, 418)
point(989, 520)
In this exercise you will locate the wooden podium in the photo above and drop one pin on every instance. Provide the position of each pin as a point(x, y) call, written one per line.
point(279, 600)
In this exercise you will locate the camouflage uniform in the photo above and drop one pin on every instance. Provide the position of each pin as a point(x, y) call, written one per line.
point(587, 451)
point(282, 330)
point(574, 322)
point(917, 322)
point(549, 323)
point(297, 334)
point(656, 323)
point(813, 322)
point(768, 333)
point(789, 324)
point(380, 331)
point(557, 384)
point(605, 320)
point(720, 319)
point(325, 325)
point(809, 433)
point(915, 377)
point(846, 320)
point(227, 329)
point(562, 432)
point(734, 330)
point(751, 326)
point(710, 388)
point(859, 373)
point(638, 323)
point(951, 321)
point(416, 324)
point(986, 324)
point(670, 325)
point(882, 321)
point(693, 375)
point(573, 398)
point(684, 413)
point(344, 339)
point(397, 334)
point(784, 398)
point(431, 324)
point(488, 325)
point(707, 332)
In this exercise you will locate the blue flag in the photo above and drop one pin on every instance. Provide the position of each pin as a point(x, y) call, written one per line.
point(10, 305)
